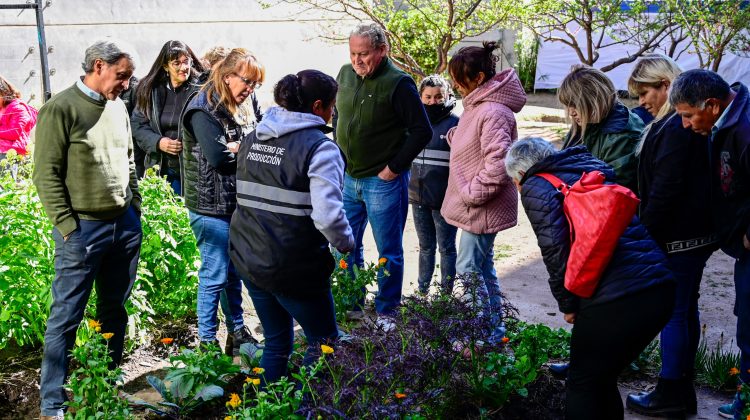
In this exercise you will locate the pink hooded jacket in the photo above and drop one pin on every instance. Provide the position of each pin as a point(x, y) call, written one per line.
point(481, 198)
point(16, 123)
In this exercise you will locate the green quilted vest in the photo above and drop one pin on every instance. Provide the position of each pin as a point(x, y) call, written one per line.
point(367, 130)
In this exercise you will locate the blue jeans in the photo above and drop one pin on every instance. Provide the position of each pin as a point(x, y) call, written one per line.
point(173, 178)
point(384, 204)
point(476, 256)
point(217, 274)
point(314, 313)
point(432, 231)
point(101, 255)
point(680, 337)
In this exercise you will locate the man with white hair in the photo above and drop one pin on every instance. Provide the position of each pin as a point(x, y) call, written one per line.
point(381, 126)
point(85, 176)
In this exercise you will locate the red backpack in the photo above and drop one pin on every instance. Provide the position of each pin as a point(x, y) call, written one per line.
point(598, 214)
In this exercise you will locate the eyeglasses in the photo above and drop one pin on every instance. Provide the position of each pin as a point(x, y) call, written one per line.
point(177, 64)
point(249, 83)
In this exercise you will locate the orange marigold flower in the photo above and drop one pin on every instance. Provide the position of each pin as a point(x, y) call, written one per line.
point(258, 370)
point(399, 395)
point(505, 340)
point(167, 341)
point(234, 401)
point(94, 323)
point(343, 264)
point(228, 418)
point(326, 349)
point(382, 261)
point(734, 371)
point(107, 336)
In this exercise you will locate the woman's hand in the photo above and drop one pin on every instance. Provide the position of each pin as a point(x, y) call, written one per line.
point(170, 146)
point(570, 318)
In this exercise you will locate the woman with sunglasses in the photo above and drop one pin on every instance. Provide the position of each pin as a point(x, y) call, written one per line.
point(161, 96)
point(212, 132)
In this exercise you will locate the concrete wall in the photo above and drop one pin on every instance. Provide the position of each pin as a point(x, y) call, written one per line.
point(285, 38)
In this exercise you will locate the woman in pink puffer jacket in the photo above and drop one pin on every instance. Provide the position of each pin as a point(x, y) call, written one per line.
point(481, 199)
point(16, 120)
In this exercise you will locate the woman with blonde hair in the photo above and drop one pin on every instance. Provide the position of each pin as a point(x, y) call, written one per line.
point(211, 137)
point(601, 122)
point(675, 208)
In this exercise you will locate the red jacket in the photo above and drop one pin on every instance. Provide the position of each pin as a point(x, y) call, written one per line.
point(481, 198)
point(16, 123)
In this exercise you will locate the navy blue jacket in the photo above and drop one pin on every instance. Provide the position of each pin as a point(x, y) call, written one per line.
point(637, 263)
point(730, 173)
point(429, 170)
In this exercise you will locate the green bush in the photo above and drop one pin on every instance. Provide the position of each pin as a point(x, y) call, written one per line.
point(527, 49)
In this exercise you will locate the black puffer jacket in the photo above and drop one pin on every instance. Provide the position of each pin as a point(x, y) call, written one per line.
point(637, 263)
point(429, 170)
point(674, 186)
point(207, 189)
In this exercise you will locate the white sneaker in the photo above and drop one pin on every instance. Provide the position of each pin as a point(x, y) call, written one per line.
point(385, 323)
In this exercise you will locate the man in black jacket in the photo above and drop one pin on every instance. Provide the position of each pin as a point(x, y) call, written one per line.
point(709, 106)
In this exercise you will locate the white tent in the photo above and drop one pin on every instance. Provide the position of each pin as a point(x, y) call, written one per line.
point(555, 59)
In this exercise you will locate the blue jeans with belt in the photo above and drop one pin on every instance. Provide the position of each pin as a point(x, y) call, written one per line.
point(384, 204)
point(742, 311)
point(102, 255)
point(217, 274)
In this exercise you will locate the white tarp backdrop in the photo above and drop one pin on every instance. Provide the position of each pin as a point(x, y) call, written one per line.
point(555, 59)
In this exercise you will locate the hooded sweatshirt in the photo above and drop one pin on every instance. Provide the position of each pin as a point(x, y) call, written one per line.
point(326, 172)
point(481, 197)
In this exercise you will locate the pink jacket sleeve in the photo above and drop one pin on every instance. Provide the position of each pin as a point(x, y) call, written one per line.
point(14, 121)
point(495, 139)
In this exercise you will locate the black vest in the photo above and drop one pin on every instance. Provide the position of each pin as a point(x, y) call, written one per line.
point(429, 170)
point(206, 191)
point(273, 241)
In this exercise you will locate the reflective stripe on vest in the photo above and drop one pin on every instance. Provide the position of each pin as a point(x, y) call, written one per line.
point(434, 157)
point(288, 200)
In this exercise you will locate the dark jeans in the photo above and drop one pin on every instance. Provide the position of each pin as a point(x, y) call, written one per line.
point(680, 337)
point(433, 231)
point(173, 178)
point(101, 254)
point(606, 338)
point(314, 313)
point(742, 311)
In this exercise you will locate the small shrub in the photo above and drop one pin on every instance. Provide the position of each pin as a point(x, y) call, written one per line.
point(348, 293)
point(196, 376)
point(526, 48)
point(92, 384)
point(713, 366)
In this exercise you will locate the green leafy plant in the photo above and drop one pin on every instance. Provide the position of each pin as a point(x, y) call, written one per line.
point(196, 376)
point(743, 389)
point(92, 384)
point(713, 367)
point(348, 292)
point(526, 48)
point(169, 255)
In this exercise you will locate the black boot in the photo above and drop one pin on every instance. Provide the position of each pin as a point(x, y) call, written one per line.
point(689, 397)
point(666, 400)
point(236, 339)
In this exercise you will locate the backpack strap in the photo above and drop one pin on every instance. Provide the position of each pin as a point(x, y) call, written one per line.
point(556, 182)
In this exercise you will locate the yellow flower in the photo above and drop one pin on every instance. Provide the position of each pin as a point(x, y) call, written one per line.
point(258, 370)
point(343, 264)
point(94, 323)
point(382, 261)
point(399, 395)
point(107, 336)
point(734, 371)
point(255, 381)
point(234, 401)
point(326, 349)
point(228, 418)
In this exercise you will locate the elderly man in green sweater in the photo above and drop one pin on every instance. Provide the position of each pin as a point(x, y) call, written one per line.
point(85, 175)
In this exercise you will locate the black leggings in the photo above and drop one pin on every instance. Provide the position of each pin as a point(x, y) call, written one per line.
point(606, 338)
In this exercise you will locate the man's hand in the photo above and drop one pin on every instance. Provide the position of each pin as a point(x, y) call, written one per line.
point(745, 242)
point(570, 318)
point(387, 174)
point(170, 146)
point(65, 238)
